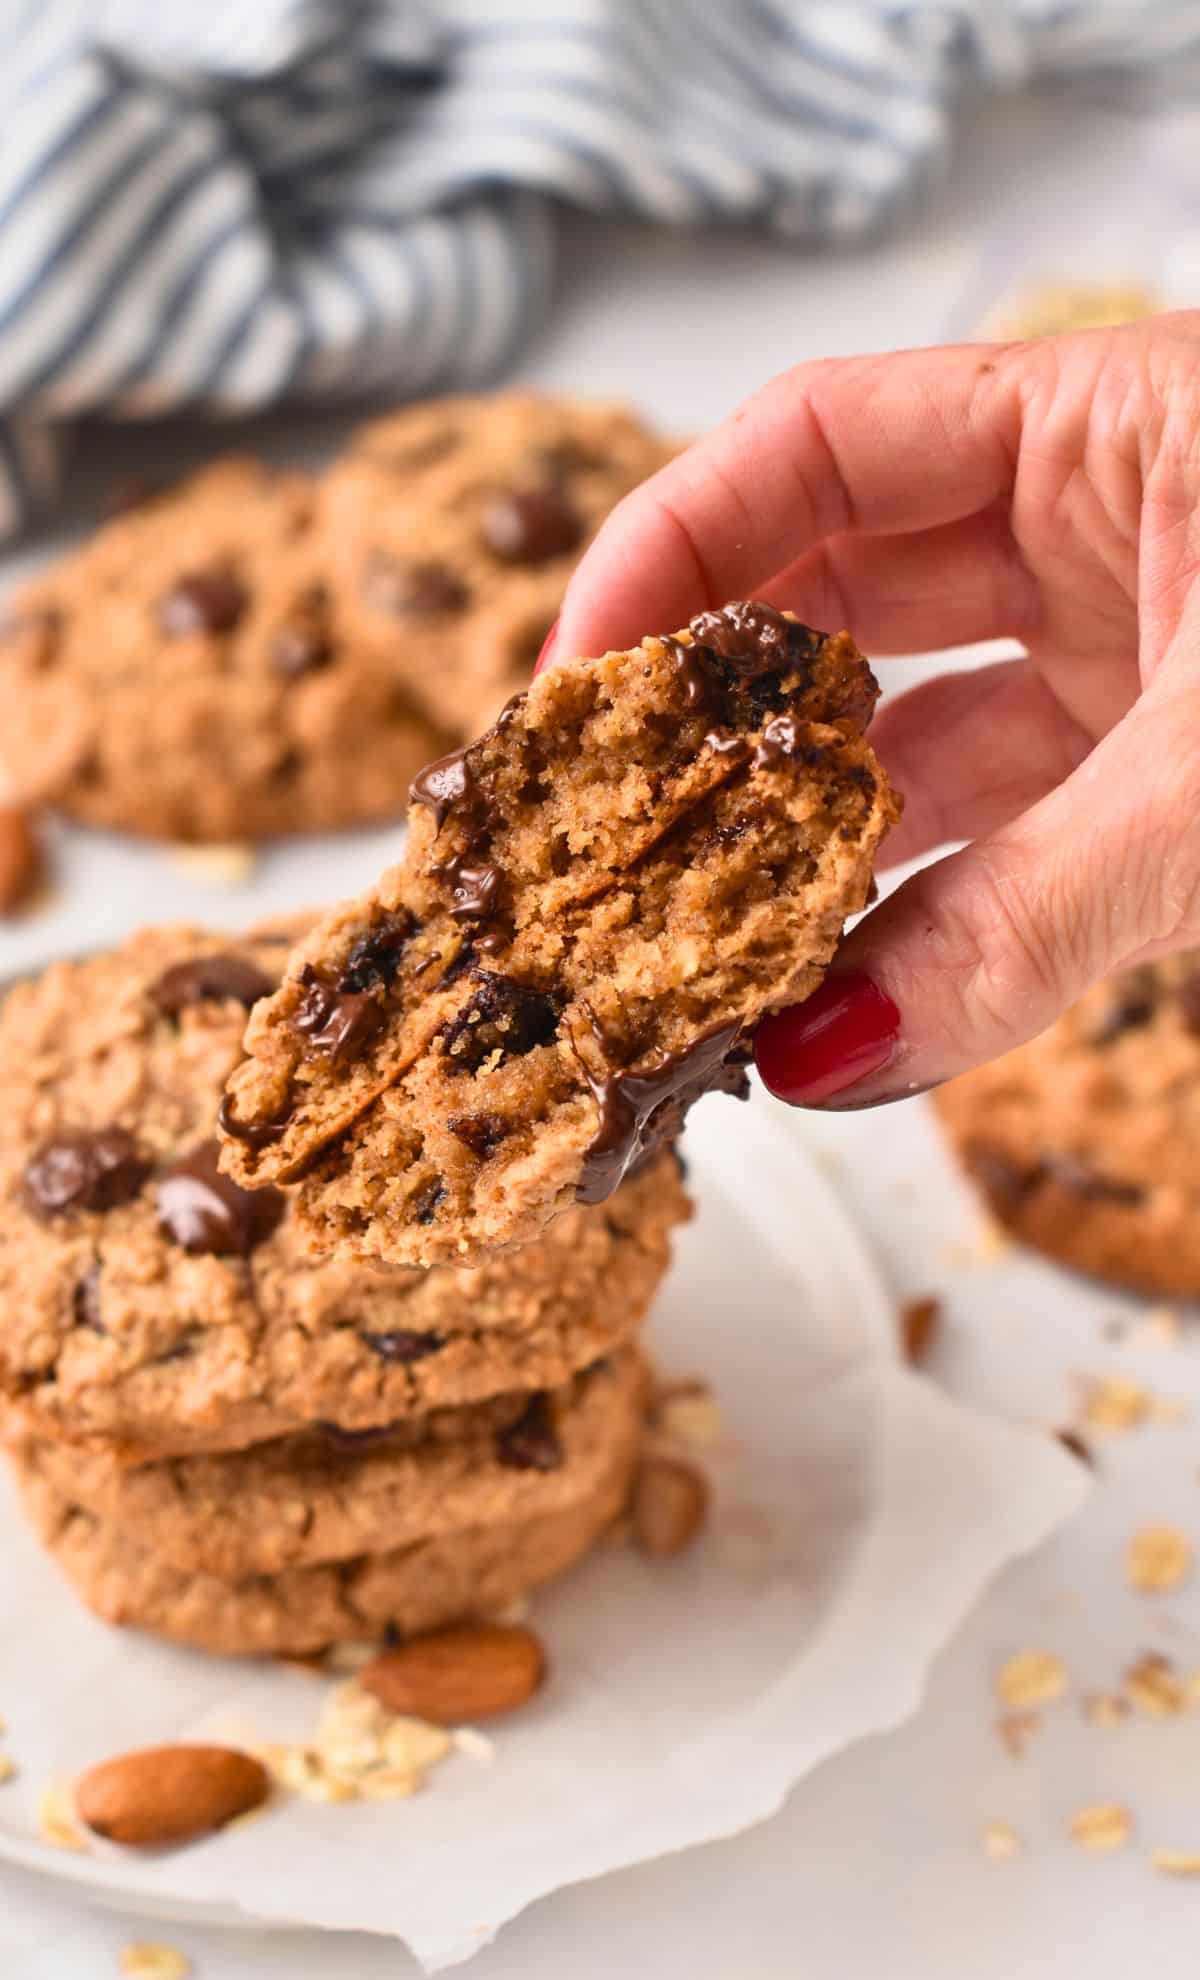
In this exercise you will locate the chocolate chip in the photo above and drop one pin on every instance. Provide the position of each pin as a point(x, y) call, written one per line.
point(337, 1024)
point(1132, 1004)
point(1189, 1000)
point(217, 979)
point(531, 1443)
point(205, 1211)
point(481, 1133)
point(94, 1170)
point(402, 1344)
point(299, 647)
point(427, 1200)
point(501, 1016)
point(403, 590)
point(85, 1302)
point(1007, 1182)
point(202, 602)
point(530, 525)
point(1069, 1172)
point(375, 958)
point(753, 638)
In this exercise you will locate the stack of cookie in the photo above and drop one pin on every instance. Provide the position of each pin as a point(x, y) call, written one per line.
point(254, 652)
point(227, 1441)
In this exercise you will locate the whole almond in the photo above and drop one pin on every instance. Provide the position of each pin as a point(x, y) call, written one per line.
point(669, 1506)
point(168, 1794)
point(20, 858)
point(473, 1671)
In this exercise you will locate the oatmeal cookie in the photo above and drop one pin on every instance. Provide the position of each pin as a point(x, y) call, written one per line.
point(1085, 1141)
point(454, 526)
point(189, 673)
point(150, 1303)
point(597, 902)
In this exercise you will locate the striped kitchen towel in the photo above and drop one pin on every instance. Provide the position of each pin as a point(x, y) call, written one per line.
point(223, 203)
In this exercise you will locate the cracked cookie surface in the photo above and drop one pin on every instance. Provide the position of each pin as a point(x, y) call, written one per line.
point(1084, 1141)
point(151, 1306)
point(597, 902)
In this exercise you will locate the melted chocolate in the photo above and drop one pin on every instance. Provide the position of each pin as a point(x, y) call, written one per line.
point(205, 1211)
point(217, 979)
point(441, 785)
point(501, 1016)
point(530, 525)
point(338, 1024)
point(255, 1134)
point(402, 1344)
point(640, 1109)
point(531, 1443)
point(754, 639)
point(375, 959)
point(96, 1170)
point(202, 601)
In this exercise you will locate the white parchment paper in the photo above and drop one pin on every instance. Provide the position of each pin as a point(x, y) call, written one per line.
point(859, 1513)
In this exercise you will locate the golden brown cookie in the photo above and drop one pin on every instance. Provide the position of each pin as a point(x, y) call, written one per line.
point(453, 528)
point(598, 901)
point(1086, 1141)
point(147, 1301)
point(190, 673)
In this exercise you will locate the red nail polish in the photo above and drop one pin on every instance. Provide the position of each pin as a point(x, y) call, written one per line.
point(544, 655)
point(847, 1029)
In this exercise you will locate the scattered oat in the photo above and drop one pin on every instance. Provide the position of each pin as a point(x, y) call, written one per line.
point(1160, 1327)
point(477, 1745)
point(919, 1323)
point(999, 1840)
point(1032, 1677)
point(1104, 1708)
point(8, 1767)
point(1016, 1729)
point(148, 1959)
point(1158, 1558)
point(688, 1410)
point(216, 866)
point(359, 1751)
point(1113, 1403)
point(1102, 1825)
point(56, 1820)
point(1151, 1685)
point(1176, 1862)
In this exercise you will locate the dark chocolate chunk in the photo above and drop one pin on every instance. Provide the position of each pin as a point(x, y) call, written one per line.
point(475, 890)
point(337, 1023)
point(753, 638)
point(530, 525)
point(639, 1110)
point(205, 1211)
point(422, 590)
point(376, 956)
point(221, 978)
point(91, 1170)
point(481, 1133)
point(402, 1344)
point(427, 1200)
point(1189, 1000)
point(202, 601)
point(85, 1301)
point(501, 1016)
point(531, 1443)
point(255, 1134)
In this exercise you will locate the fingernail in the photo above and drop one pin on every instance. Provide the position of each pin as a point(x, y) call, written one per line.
point(543, 659)
point(845, 1031)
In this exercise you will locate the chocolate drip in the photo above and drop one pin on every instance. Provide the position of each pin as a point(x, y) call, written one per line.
point(639, 1109)
point(255, 1134)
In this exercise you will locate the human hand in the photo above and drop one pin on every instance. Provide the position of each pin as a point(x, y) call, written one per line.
point(1049, 491)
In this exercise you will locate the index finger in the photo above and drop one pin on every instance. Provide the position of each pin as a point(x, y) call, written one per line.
point(905, 441)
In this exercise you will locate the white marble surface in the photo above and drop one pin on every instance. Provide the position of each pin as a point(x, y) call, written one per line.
point(875, 1867)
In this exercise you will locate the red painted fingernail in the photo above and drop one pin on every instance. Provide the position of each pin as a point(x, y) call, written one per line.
point(847, 1029)
point(544, 656)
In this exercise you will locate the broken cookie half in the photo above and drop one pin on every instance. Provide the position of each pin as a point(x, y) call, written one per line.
point(597, 902)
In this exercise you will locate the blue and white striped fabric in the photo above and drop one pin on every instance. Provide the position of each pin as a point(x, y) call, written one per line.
point(222, 203)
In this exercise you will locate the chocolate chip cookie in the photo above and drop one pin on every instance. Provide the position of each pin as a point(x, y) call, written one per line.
point(190, 673)
point(1086, 1141)
point(454, 526)
point(330, 1495)
point(149, 1302)
point(597, 902)
point(472, 1572)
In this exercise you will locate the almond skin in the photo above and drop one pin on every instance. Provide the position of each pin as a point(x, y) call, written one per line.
point(474, 1671)
point(20, 859)
point(168, 1794)
point(669, 1505)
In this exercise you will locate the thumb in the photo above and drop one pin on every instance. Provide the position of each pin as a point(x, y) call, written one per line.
point(987, 947)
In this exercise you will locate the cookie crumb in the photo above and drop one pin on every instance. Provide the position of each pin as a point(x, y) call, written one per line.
point(1032, 1677)
point(225, 866)
point(920, 1322)
point(1102, 1825)
point(688, 1410)
point(1158, 1559)
point(1000, 1840)
point(359, 1752)
point(1114, 1404)
point(1176, 1862)
point(152, 1959)
point(1015, 1730)
point(1104, 1708)
point(1152, 1686)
